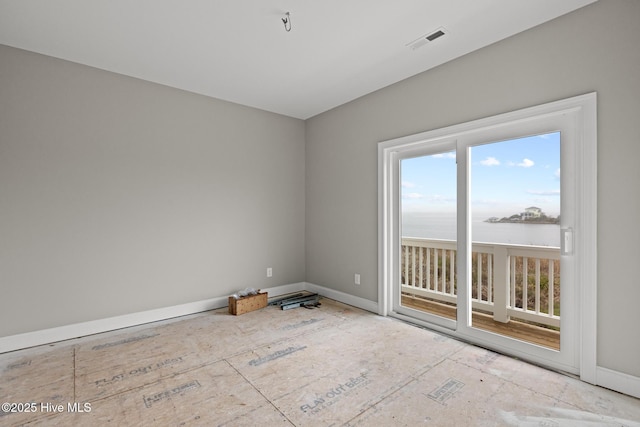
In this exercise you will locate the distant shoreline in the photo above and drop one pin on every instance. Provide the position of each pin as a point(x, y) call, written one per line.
point(525, 221)
point(444, 225)
point(545, 220)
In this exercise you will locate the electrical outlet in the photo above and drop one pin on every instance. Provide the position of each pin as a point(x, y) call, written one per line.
point(269, 272)
point(356, 279)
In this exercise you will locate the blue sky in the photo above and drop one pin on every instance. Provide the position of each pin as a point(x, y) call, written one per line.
point(506, 178)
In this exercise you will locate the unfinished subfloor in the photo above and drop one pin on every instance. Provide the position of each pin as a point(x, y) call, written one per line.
point(334, 365)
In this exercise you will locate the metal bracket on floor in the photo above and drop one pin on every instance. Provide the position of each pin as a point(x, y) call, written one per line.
point(298, 300)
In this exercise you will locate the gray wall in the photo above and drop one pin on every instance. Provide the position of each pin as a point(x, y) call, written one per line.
point(118, 195)
point(592, 49)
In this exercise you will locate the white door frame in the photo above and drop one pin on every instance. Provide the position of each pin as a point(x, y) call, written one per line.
point(579, 113)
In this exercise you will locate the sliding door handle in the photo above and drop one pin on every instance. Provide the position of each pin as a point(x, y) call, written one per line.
point(566, 241)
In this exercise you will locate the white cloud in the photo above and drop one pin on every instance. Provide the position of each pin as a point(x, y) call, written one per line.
point(490, 202)
point(526, 163)
point(438, 198)
point(544, 192)
point(412, 196)
point(408, 184)
point(490, 161)
point(557, 173)
point(428, 199)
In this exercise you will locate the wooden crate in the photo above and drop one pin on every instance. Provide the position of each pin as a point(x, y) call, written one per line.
point(247, 304)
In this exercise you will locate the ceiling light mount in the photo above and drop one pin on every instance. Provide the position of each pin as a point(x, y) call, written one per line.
point(287, 21)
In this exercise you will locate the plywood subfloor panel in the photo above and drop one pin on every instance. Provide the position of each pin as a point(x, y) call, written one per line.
point(36, 376)
point(334, 365)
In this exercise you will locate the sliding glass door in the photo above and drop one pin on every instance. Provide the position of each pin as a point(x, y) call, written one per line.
point(481, 235)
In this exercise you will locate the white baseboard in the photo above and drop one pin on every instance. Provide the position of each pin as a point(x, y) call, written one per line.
point(47, 336)
point(614, 380)
point(355, 301)
point(607, 378)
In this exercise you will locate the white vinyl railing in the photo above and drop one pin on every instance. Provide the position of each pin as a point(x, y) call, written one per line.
point(516, 281)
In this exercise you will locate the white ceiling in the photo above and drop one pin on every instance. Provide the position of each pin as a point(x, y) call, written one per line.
point(239, 51)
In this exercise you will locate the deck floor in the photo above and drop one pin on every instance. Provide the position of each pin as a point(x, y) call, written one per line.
point(514, 329)
point(333, 365)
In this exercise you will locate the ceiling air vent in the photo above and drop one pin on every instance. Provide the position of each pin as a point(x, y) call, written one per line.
point(427, 38)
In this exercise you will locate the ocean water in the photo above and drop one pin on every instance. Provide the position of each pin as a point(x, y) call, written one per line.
point(442, 226)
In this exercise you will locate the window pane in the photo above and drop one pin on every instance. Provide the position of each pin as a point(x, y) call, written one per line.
point(428, 266)
point(515, 262)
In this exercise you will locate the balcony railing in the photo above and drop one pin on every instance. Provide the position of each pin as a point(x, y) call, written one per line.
point(508, 281)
